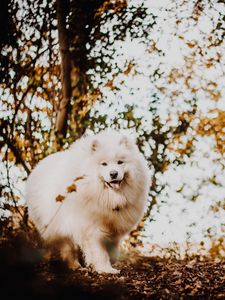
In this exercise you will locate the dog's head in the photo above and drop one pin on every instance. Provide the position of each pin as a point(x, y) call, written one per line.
point(113, 156)
point(112, 172)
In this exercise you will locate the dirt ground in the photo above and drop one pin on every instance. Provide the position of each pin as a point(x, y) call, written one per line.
point(24, 272)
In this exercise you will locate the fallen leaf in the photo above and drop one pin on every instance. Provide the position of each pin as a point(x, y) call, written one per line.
point(72, 188)
point(78, 178)
point(60, 198)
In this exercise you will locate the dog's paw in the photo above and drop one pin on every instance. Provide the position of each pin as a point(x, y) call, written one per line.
point(114, 271)
point(108, 270)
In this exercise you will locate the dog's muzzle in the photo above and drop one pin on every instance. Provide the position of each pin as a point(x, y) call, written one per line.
point(113, 184)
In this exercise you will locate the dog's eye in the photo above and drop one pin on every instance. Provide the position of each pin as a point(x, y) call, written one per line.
point(120, 162)
point(104, 163)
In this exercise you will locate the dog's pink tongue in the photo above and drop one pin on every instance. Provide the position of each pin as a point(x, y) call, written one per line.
point(114, 185)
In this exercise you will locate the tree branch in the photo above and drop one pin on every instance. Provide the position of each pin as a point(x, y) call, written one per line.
point(62, 115)
point(15, 150)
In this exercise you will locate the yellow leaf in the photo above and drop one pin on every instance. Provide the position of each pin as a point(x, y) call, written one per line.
point(72, 188)
point(59, 198)
point(10, 156)
point(191, 44)
point(79, 178)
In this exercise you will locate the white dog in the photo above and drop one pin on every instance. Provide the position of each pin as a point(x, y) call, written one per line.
point(88, 196)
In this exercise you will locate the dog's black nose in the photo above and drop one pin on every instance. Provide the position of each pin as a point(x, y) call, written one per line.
point(113, 174)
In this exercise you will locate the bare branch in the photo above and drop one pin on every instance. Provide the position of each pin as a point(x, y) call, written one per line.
point(14, 149)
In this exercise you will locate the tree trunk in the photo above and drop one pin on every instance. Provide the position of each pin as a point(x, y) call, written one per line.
point(64, 105)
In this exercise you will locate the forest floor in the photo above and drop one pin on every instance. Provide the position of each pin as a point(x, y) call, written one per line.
point(24, 273)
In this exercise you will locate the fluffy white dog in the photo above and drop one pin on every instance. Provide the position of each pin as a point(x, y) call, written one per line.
point(88, 196)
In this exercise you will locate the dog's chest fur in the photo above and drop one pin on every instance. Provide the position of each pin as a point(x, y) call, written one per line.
point(119, 221)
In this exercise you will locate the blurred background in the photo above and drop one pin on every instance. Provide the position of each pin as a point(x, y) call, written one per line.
point(155, 68)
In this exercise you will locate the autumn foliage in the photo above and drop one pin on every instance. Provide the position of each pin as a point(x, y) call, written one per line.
point(66, 70)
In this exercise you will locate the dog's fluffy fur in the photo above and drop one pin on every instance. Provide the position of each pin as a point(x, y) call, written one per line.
point(97, 210)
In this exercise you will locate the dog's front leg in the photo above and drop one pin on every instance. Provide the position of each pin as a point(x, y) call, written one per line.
point(97, 256)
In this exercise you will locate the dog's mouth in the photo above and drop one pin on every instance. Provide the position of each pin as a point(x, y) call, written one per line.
point(114, 184)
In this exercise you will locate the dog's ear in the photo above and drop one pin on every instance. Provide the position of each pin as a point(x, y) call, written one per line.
point(125, 141)
point(94, 145)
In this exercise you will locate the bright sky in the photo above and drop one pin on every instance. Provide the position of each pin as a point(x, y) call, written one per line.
point(178, 217)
